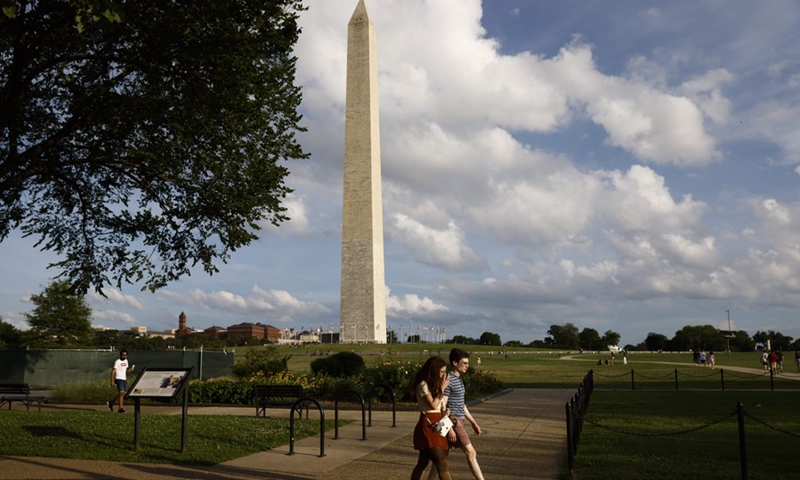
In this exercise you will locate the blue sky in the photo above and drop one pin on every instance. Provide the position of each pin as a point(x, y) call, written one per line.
point(628, 166)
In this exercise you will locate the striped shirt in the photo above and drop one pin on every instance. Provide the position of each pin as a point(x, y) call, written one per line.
point(455, 396)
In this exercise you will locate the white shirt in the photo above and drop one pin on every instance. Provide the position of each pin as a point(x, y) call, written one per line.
point(120, 369)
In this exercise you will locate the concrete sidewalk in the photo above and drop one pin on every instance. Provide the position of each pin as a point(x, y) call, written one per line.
point(524, 437)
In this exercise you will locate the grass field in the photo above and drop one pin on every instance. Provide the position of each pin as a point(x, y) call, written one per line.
point(522, 367)
point(211, 439)
point(675, 435)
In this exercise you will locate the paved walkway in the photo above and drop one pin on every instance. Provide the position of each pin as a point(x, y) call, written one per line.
point(524, 437)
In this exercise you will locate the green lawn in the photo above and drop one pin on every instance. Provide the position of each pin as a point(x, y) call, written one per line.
point(675, 435)
point(525, 367)
point(211, 439)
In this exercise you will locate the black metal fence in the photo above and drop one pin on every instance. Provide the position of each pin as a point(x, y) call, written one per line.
point(694, 379)
point(576, 412)
point(739, 412)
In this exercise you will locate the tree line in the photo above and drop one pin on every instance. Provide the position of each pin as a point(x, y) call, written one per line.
point(690, 337)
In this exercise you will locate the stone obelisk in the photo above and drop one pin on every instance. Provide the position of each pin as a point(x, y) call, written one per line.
point(363, 299)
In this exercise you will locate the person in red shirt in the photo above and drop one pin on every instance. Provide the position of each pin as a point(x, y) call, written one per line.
point(773, 362)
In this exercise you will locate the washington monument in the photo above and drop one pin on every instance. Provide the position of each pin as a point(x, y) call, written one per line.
point(363, 300)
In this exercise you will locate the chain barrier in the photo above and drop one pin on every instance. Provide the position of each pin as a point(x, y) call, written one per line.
point(697, 376)
point(772, 427)
point(576, 418)
point(668, 375)
point(670, 434)
point(612, 376)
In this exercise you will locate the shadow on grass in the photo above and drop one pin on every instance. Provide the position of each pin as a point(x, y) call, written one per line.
point(51, 431)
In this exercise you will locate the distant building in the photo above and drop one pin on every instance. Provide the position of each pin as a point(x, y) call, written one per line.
point(272, 334)
point(139, 331)
point(215, 330)
point(167, 334)
point(247, 329)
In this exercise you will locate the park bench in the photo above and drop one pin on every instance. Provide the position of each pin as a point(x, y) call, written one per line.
point(19, 392)
point(277, 396)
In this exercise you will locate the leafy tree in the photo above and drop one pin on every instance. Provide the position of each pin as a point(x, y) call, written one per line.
point(60, 319)
point(563, 336)
point(489, 338)
point(590, 339)
point(149, 139)
point(704, 337)
point(462, 340)
point(777, 340)
point(741, 342)
point(513, 343)
point(611, 338)
point(537, 344)
point(655, 342)
point(10, 336)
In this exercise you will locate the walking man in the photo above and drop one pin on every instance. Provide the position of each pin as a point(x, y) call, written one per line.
point(119, 378)
point(454, 396)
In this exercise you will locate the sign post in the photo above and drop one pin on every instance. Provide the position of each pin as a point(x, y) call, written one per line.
point(164, 383)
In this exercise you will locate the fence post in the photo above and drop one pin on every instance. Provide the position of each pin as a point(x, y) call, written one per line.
point(742, 449)
point(570, 450)
point(676, 379)
point(722, 378)
point(771, 380)
point(633, 384)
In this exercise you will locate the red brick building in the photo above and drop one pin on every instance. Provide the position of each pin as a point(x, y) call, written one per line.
point(246, 329)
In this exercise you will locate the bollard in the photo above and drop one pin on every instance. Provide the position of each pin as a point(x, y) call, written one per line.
point(742, 449)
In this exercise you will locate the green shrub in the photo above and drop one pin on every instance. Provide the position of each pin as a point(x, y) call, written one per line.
point(342, 364)
point(396, 374)
point(267, 361)
point(481, 382)
point(327, 366)
point(336, 386)
point(221, 391)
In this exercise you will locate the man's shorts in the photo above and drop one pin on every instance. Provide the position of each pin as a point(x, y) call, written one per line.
point(122, 385)
point(462, 438)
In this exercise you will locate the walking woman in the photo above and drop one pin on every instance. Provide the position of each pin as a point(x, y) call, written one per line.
point(428, 386)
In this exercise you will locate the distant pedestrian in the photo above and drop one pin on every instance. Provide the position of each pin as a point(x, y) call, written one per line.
point(765, 360)
point(773, 362)
point(625, 357)
point(797, 359)
point(712, 360)
point(702, 359)
point(779, 366)
point(119, 378)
